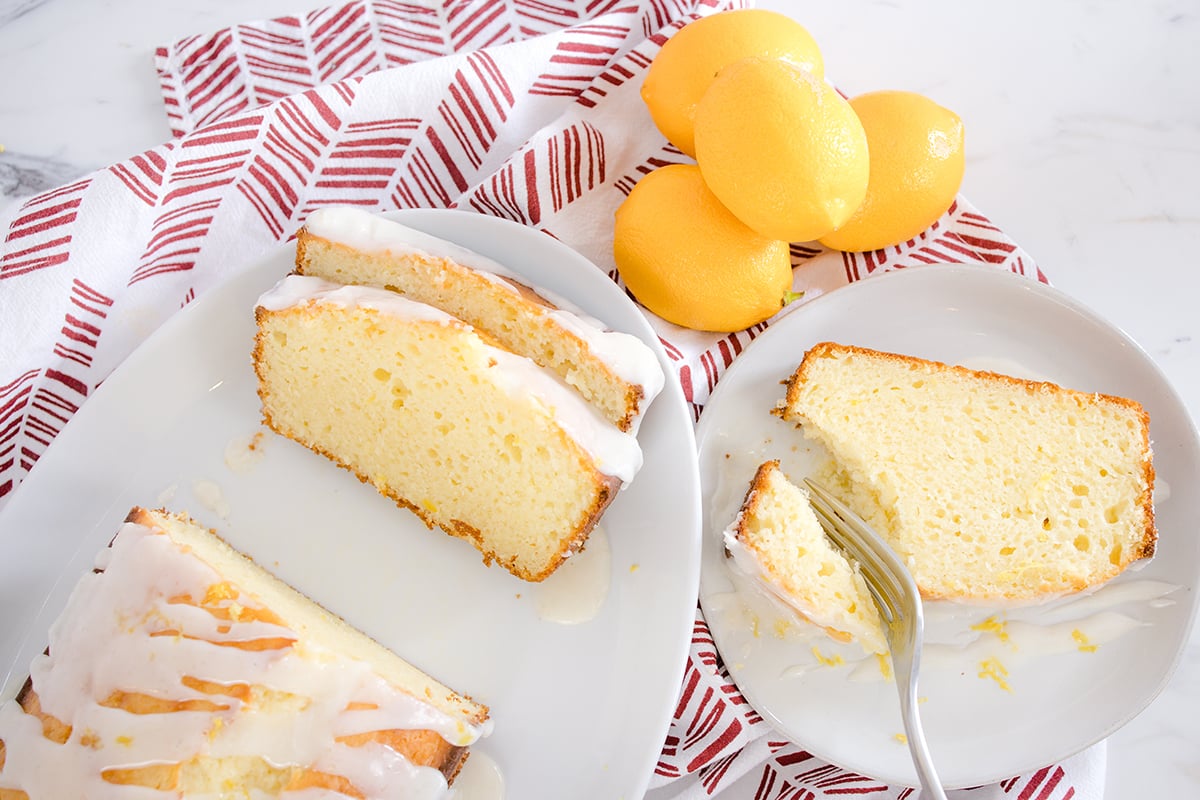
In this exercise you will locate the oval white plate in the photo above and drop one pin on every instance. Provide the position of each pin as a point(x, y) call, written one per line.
point(1063, 696)
point(583, 705)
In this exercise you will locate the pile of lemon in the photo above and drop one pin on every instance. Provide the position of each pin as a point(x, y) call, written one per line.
point(780, 157)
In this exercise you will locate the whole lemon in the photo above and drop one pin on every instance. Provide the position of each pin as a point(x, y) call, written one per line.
point(687, 63)
point(781, 149)
point(687, 259)
point(916, 169)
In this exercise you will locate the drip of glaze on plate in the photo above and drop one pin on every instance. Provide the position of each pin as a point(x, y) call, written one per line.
point(244, 452)
point(480, 779)
point(576, 591)
point(210, 495)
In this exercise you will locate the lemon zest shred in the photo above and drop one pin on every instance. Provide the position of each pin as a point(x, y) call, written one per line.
point(993, 625)
point(830, 661)
point(992, 668)
point(1085, 645)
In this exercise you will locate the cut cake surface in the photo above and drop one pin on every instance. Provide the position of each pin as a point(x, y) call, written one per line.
point(470, 437)
point(988, 486)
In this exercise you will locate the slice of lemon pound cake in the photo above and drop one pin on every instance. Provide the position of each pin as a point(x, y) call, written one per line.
point(183, 669)
point(471, 437)
point(613, 370)
point(987, 486)
point(777, 540)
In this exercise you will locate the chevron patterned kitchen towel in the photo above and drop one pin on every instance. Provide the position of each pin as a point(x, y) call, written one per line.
point(524, 110)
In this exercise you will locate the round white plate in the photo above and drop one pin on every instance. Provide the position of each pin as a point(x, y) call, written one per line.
point(1077, 669)
point(584, 705)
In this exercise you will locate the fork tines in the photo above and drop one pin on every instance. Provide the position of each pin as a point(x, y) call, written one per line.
point(886, 576)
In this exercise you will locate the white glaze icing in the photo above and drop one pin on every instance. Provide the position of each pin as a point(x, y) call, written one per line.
point(626, 355)
point(299, 290)
point(614, 452)
point(121, 631)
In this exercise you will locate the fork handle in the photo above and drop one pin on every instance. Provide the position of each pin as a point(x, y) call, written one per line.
point(930, 784)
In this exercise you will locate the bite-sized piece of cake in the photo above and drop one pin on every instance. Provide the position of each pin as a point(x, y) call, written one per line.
point(471, 437)
point(988, 486)
point(777, 540)
point(615, 371)
point(180, 668)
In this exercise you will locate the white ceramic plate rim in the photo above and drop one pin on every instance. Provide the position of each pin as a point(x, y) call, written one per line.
point(873, 313)
point(110, 457)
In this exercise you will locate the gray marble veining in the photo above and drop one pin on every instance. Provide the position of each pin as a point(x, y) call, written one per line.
point(11, 9)
point(23, 175)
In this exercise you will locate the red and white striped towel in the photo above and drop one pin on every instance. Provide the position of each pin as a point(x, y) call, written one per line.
point(520, 109)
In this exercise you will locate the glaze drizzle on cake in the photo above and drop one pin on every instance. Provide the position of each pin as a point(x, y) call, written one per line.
point(183, 669)
point(614, 370)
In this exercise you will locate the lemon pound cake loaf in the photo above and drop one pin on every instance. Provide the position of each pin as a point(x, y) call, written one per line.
point(615, 371)
point(469, 436)
point(988, 486)
point(777, 540)
point(182, 669)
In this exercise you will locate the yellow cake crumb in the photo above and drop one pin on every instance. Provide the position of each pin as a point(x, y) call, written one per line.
point(782, 626)
point(900, 737)
point(1045, 549)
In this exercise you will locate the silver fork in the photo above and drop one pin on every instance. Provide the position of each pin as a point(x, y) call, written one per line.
point(899, 603)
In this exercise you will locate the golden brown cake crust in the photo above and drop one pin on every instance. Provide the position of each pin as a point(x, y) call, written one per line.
point(753, 496)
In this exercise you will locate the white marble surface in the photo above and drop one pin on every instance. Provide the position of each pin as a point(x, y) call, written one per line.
point(1083, 142)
